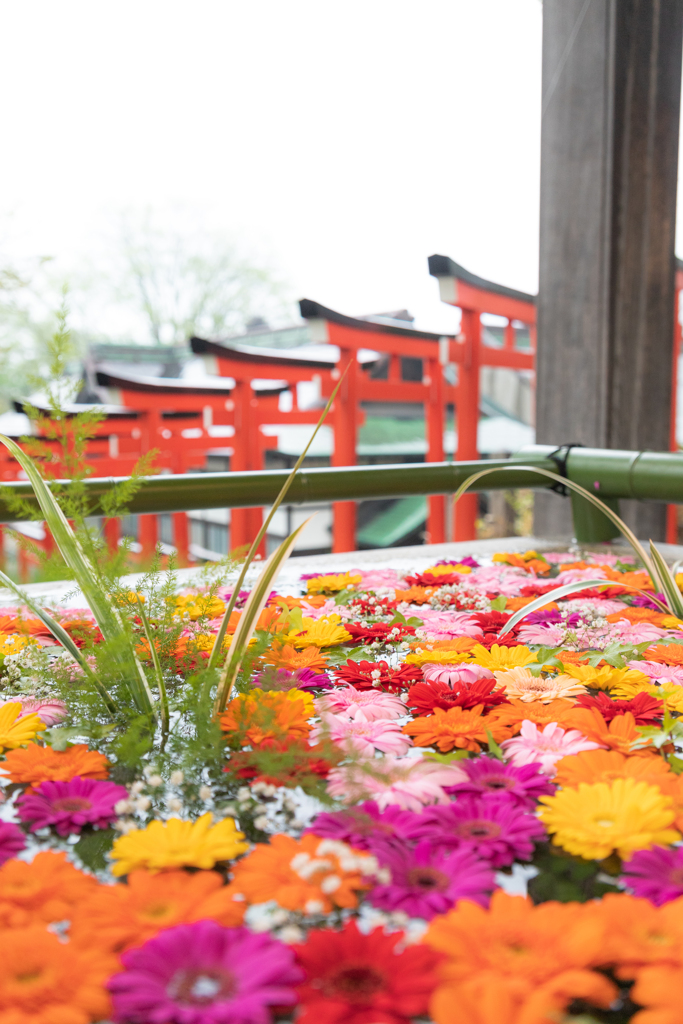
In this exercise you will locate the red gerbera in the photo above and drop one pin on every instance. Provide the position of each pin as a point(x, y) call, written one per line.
point(379, 631)
point(353, 978)
point(425, 696)
point(645, 709)
point(359, 674)
point(286, 763)
point(492, 622)
point(489, 639)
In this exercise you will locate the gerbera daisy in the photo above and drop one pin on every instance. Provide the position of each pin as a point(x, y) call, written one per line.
point(607, 677)
point(408, 782)
point(251, 718)
point(177, 844)
point(352, 978)
point(546, 747)
point(500, 658)
point(655, 874)
point(38, 764)
point(518, 711)
point(50, 712)
point(455, 728)
point(425, 697)
point(658, 990)
point(346, 701)
point(43, 980)
point(288, 657)
point(619, 734)
point(608, 765)
point(623, 816)
point(488, 775)
point(360, 736)
point(519, 682)
point(44, 891)
point(12, 840)
point(310, 874)
point(16, 728)
point(327, 632)
point(68, 806)
point(646, 710)
point(332, 583)
point(203, 973)
point(464, 673)
point(638, 933)
point(117, 917)
point(666, 654)
point(366, 826)
point(493, 827)
point(426, 882)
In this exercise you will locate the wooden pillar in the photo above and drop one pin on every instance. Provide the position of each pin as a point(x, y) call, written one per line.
point(147, 535)
point(609, 159)
point(345, 433)
point(112, 534)
point(181, 538)
point(435, 409)
point(467, 419)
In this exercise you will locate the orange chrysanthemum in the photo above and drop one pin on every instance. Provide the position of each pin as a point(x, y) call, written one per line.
point(465, 730)
point(35, 764)
point(266, 716)
point(310, 874)
point(638, 934)
point(607, 765)
point(620, 734)
point(116, 917)
point(512, 954)
point(286, 656)
point(45, 981)
point(46, 890)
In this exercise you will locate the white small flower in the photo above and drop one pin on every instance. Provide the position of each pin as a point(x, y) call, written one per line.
point(291, 933)
point(137, 788)
point(261, 822)
point(123, 807)
point(314, 907)
point(141, 804)
point(243, 793)
point(177, 778)
point(205, 792)
point(174, 804)
point(330, 884)
point(155, 781)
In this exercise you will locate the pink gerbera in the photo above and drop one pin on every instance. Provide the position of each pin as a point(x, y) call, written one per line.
point(347, 702)
point(458, 674)
point(410, 782)
point(547, 747)
point(362, 736)
point(68, 806)
point(12, 840)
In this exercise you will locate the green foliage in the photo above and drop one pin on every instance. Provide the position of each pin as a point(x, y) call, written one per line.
point(565, 878)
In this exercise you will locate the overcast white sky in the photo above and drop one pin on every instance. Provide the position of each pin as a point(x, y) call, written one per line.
point(342, 143)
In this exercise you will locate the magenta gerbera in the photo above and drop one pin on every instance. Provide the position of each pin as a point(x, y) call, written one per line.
point(204, 973)
point(365, 827)
point(426, 882)
point(488, 775)
point(656, 874)
point(68, 806)
point(493, 827)
point(12, 840)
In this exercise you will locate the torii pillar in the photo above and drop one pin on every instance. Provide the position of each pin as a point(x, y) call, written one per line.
point(609, 162)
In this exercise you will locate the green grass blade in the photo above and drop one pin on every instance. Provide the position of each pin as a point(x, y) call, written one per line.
point(103, 608)
point(256, 602)
point(158, 673)
point(668, 583)
point(262, 532)
point(578, 489)
point(61, 635)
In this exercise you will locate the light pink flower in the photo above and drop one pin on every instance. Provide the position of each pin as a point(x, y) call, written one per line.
point(50, 711)
point(575, 575)
point(374, 579)
point(347, 701)
point(503, 579)
point(638, 632)
point(536, 633)
point(545, 748)
point(521, 683)
point(601, 605)
point(360, 736)
point(410, 782)
point(446, 625)
point(318, 613)
point(659, 673)
point(462, 672)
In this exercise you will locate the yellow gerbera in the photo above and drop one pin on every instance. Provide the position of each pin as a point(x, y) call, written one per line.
point(178, 844)
point(593, 821)
point(519, 682)
point(608, 678)
point(501, 658)
point(16, 731)
point(442, 657)
point(324, 632)
point(670, 693)
point(446, 570)
point(259, 696)
point(332, 583)
point(198, 605)
point(12, 643)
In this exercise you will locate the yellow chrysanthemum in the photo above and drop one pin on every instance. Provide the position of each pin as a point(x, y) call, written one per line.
point(198, 605)
point(608, 678)
point(593, 821)
point(15, 731)
point(446, 570)
point(501, 658)
point(332, 583)
point(519, 682)
point(324, 632)
point(178, 844)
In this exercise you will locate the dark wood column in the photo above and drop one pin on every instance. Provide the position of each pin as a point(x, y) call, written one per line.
point(609, 162)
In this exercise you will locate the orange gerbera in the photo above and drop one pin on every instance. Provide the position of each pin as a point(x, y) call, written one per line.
point(665, 654)
point(415, 595)
point(310, 874)
point(515, 944)
point(43, 891)
point(286, 656)
point(639, 615)
point(262, 716)
point(36, 764)
point(465, 730)
point(45, 981)
point(659, 990)
point(518, 711)
point(572, 657)
point(116, 917)
point(607, 765)
point(638, 933)
point(620, 734)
